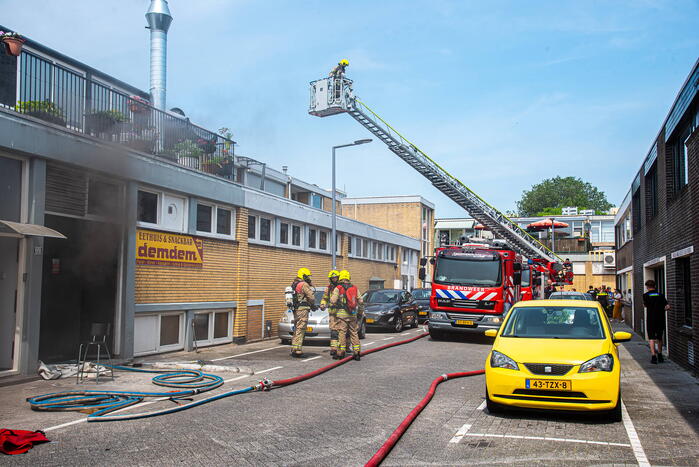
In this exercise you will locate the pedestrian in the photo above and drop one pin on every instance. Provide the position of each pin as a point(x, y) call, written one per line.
point(333, 281)
point(603, 299)
point(304, 302)
point(592, 293)
point(616, 315)
point(656, 306)
point(549, 289)
point(349, 309)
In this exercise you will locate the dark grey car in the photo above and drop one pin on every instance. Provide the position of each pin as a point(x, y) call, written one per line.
point(390, 308)
point(422, 299)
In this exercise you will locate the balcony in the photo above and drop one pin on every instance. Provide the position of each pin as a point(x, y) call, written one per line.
point(71, 98)
point(569, 245)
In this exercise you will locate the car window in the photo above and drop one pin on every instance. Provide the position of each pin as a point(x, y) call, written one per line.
point(382, 296)
point(421, 294)
point(554, 322)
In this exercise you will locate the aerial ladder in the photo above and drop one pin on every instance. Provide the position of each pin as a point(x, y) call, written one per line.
point(334, 95)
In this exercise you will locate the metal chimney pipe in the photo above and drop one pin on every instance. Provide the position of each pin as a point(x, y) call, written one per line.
point(159, 20)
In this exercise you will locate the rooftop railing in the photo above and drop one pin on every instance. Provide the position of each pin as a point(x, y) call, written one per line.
point(64, 97)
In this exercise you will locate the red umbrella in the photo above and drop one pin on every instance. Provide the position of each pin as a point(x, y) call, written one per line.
point(480, 227)
point(546, 224)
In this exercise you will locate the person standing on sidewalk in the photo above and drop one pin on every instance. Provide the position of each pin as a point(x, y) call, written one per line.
point(346, 298)
point(304, 302)
point(333, 279)
point(616, 315)
point(603, 299)
point(656, 306)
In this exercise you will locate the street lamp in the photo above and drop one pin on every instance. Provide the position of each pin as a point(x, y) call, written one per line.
point(333, 239)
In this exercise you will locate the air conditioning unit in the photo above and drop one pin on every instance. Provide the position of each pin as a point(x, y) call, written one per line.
point(609, 259)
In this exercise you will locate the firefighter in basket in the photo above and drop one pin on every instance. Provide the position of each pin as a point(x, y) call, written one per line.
point(338, 74)
point(303, 302)
point(333, 282)
point(349, 305)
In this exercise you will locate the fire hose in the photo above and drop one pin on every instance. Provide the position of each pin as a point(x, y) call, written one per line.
point(396, 435)
point(99, 404)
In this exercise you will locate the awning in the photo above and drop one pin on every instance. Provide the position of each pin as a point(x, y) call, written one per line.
point(376, 279)
point(19, 230)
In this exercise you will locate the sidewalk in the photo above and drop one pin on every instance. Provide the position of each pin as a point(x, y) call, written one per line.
point(663, 403)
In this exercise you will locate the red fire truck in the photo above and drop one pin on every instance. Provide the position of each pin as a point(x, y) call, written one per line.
point(473, 285)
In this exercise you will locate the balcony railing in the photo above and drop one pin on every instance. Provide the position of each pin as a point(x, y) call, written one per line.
point(63, 97)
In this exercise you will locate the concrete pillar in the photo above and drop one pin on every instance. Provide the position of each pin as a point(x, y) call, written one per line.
point(34, 258)
point(129, 277)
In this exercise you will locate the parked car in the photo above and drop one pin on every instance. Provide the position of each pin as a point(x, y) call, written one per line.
point(555, 354)
point(390, 308)
point(422, 299)
point(318, 328)
point(570, 295)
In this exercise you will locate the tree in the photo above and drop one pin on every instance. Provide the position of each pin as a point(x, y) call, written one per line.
point(552, 194)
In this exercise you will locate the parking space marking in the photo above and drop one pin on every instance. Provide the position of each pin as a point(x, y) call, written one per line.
point(312, 358)
point(368, 343)
point(537, 438)
point(638, 451)
point(460, 433)
point(268, 370)
point(482, 406)
point(63, 425)
point(386, 338)
point(247, 353)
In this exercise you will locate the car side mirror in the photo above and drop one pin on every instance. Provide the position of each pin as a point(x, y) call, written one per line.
point(421, 274)
point(621, 336)
point(432, 261)
point(491, 332)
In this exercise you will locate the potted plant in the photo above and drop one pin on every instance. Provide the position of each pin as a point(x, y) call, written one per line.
point(188, 153)
point(104, 121)
point(45, 110)
point(13, 42)
point(208, 146)
point(137, 104)
point(222, 165)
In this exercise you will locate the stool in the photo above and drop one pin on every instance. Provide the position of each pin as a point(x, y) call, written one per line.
point(98, 333)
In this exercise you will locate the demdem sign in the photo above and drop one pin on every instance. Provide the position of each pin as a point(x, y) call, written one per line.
point(166, 249)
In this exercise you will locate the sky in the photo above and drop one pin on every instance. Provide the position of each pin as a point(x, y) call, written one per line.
point(502, 94)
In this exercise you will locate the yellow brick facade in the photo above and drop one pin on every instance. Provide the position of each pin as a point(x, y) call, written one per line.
point(404, 218)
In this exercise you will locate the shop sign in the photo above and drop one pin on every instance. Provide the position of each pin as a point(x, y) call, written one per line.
point(167, 249)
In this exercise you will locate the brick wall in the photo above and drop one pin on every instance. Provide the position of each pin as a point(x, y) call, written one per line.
point(673, 227)
point(404, 218)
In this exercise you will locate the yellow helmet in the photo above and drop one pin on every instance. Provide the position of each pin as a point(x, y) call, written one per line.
point(344, 62)
point(303, 272)
point(345, 275)
point(333, 273)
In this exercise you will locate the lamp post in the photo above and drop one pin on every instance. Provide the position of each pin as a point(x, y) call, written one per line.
point(333, 239)
point(553, 235)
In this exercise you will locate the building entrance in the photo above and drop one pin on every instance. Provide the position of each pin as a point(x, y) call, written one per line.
point(79, 286)
point(9, 255)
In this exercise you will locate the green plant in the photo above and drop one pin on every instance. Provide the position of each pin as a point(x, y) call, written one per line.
point(45, 107)
point(187, 148)
point(113, 115)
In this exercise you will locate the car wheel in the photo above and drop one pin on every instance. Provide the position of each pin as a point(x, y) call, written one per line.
point(414, 323)
point(362, 330)
point(493, 407)
point(614, 415)
point(286, 341)
point(398, 326)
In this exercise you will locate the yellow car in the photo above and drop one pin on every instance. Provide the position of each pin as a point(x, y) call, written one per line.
point(555, 354)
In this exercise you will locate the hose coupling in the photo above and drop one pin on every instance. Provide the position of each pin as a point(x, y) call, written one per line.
point(264, 385)
point(445, 377)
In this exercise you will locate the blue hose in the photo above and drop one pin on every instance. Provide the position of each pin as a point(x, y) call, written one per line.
point(100, 403)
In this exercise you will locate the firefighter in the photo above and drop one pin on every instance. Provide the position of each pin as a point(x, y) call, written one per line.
point(338, 74)
point(304, 302)
point(349, 306)
point(603, 299)
point(333, 281)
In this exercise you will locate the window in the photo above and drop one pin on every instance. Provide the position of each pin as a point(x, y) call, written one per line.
point(636, 211)
point(652, 191)
point(349, 245)
point(160, 332)
point(147, 207)
point(296, 235)
point(312, 238)
point(323, 240)
point(212, 327)
point(224, 221)
point(204, 214)
point(265, 229)
point(680, 158)
point(358, 249)
point(316, 201)
point(169, 330)
point(252, 224)
point(380, 255)
point(284, 233)
point(365, 248)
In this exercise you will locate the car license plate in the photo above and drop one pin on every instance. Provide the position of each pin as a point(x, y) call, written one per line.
point(464, 322)
point(370, 320)
point(309, 329)
point(549, 384)
point(422, 313)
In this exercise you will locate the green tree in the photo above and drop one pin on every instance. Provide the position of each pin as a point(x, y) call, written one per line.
point(552, 194)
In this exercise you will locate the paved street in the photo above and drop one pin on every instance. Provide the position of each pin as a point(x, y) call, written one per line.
point(342, 417)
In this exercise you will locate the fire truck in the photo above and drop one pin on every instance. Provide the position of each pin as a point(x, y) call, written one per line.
point(473, 285)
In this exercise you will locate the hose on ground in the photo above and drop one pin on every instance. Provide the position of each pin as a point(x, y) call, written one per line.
point(100, 404)
point(396, 435)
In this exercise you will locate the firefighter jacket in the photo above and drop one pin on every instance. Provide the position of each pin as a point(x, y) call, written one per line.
point(338, 298)
point(304, 296)
point(325, 301)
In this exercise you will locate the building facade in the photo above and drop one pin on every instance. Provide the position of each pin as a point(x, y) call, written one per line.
point(663, 210)
point(172, 240)
point(409, 215)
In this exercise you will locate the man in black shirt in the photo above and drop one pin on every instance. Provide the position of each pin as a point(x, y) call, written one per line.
point(656, 306)
point(592, 293)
